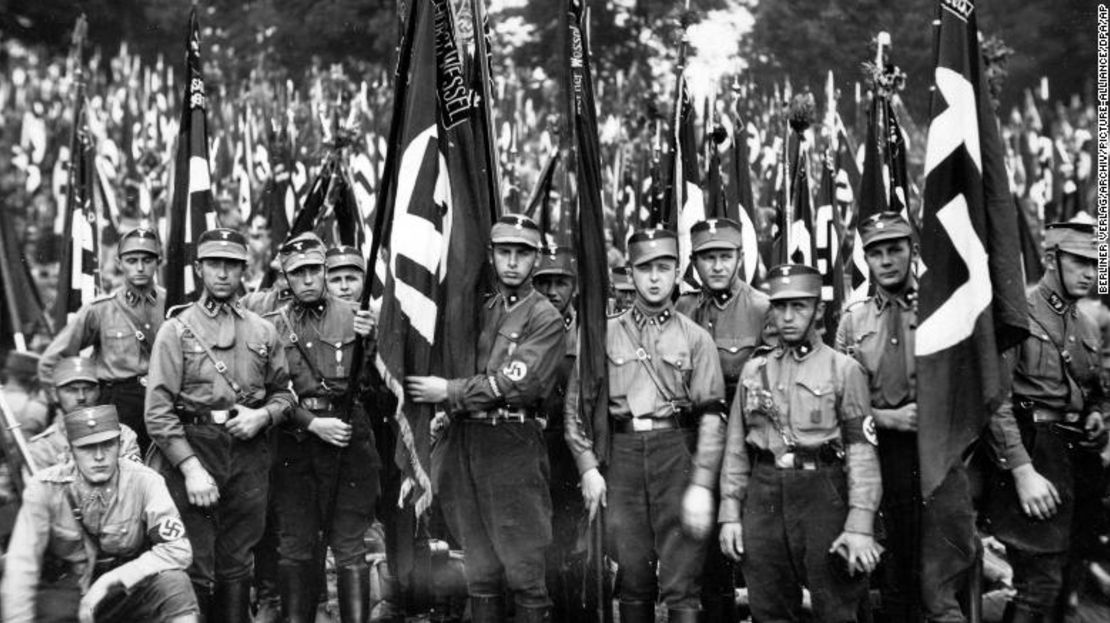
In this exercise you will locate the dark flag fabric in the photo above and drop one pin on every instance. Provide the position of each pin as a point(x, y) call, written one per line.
point(686, 204)
point(539, 204)
point(971, 299)
point(737, 163)
point(78, 273)
point(802, 243)
point(22, 308)
point(827, 237)
point(193, 209)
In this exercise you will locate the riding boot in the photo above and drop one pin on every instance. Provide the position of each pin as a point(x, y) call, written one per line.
point(487, 609)
point(231, 602)
point(637, 611)
point(353, 585)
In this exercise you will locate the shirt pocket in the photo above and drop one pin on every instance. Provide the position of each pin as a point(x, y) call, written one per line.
point(121, 538)
point(254, 363)
point(678, 367)
point(867, 348)
point(815, 406)
point(119, 347)
point(734, 352)
point(197, 368)
point(1040, 357)
point(67, 542)
point(622, 371)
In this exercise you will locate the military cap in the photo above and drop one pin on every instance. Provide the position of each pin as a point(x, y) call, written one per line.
point(650, 244)
point(557, 261)
point(140, 239)
point(883, 226)
point(91, 425)
point(620, 280)
point(1075, 238)
point(72, 369)
point(344, 256)
point(222, 243)
point(793, 281)
point(715, 233)
point(516, 229)
point(21, 362)
point(305, 250)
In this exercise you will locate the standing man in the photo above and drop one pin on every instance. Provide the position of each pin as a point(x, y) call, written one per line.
point(879, 333)
point(556, 277)
point(800, 480)
point(346, 273)
point(326, 473)
point(664, 385)
point(75, 387)
point(97, 538)
point(120, 327)
point(494, 488)
point(1047, 436)
point(218, 379)
point(735, 314)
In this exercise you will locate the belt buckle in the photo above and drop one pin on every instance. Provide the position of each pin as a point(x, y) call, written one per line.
point(642, 424)
point(786, 461)
point(219, 416)
point(809, 464)
point(1071, 417)
point(142, 380)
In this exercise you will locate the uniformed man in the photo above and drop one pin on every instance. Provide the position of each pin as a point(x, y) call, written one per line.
point(218, 379)
point(800, 480)
point(266, 300)
point(494, 487)
point(556, 277)
point(1047, 435)
point(623, 291)
point(75, 387)
point(97, 538)
point(735, 314)
point(325, 476)
point(346, 273)
point(120, 327)
point(665, 384)
point(23, 393)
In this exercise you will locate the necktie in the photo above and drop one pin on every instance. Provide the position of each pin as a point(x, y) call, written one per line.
point(893, 381)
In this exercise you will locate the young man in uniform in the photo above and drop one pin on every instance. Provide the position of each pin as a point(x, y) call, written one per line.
point(735, 314)
point(120, 327)
point(346, 273)
point(218, 379)
point(75, 387)
point(494, 486)
point(23, 392)
point(326, 470)
point(1047, 436)
point(800, 479)
point(97, 538)
point(666, 397)
point(556, 277)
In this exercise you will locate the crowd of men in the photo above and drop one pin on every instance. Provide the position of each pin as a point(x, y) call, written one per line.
point(740, 448)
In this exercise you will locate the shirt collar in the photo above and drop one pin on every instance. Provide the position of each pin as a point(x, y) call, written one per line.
point(659, 317)
point(212, 307)
point(722, 298)
point(316, 309)
point(802, 350)
point(905, 299)
point(134, 296)
point(513, 297)
point(568, 318)
point(1056, 303)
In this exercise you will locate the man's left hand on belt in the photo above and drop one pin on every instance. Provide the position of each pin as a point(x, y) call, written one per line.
point(426, 388)
point(247, 422)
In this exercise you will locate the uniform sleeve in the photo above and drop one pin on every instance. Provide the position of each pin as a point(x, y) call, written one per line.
point(844, 333)
point(76, 335)
point(864, 481)
point(707, 391)
point(575, 430)
point(1005, 436)
point(736, 465)
point(279, 397)
point(129, 445)
point(23, 564)
point(533, 366)
point(163, 386)
point(170, 549)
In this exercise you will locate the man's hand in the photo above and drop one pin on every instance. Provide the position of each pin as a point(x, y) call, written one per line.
point(593, 491)
point(903, 418)
point(246, 424)
point(697, 511)
point(426, 388)
point(1037, 494)
point(732, 540)
point(97, 592)
point(332, 430)
point(364, 323)
point(860, 550)
point(199, 484)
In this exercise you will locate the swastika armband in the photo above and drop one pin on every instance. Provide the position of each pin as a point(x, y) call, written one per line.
point(168, 529)
point(860, 430)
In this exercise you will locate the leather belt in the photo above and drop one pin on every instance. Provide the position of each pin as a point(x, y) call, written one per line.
point(135, 380)
point(204, 416)
point(676, 421)
point(496, 416)
point(806, 459)
point(318, 403)
point(1043, 415)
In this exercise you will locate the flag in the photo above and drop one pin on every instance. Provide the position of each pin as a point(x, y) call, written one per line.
point(686, 204)
point(539, 204)
point(78, 273)
point(828, 235)
point(22, 308)
point(971, 300)
point(737, 162)
point(192, 210)
point(801, 241)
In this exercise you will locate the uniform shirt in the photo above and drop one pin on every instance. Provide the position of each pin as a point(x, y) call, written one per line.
point(51, 447)
point(553, 405)
point(685, 361)
point(326, 330)
point(104, 325)
point(519, 351)
point(736, 318)
point(30, 410)
point(137, 520)
point(821, 396)
point(265, 301)
point(1038, 370)
point(181, 372)
point(866, 333)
